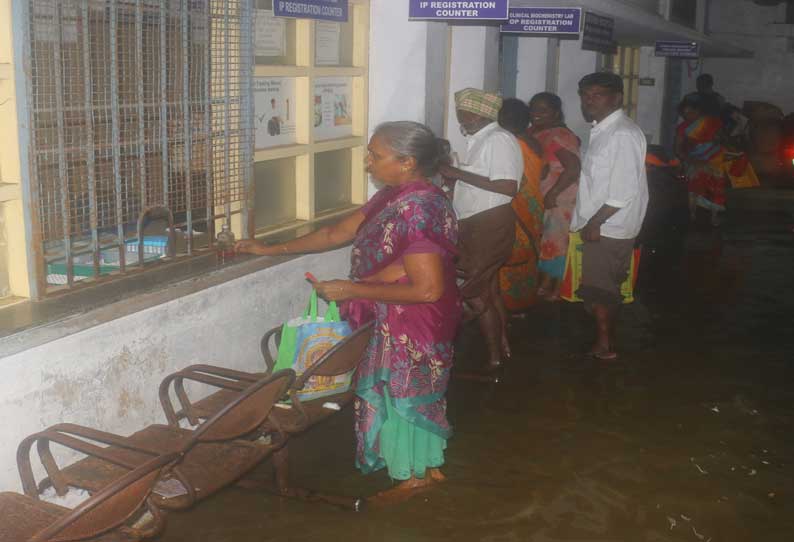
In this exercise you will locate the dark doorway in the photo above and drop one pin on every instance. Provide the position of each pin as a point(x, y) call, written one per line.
point(684, 12)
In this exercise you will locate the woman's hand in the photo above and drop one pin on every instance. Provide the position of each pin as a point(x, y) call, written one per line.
point(550, 200)
point(335, 290)
point(252, 246)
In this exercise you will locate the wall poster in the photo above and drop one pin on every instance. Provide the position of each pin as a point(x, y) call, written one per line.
point(332, 107)
point(270, 34)
point(326, 43)
point(274, 111)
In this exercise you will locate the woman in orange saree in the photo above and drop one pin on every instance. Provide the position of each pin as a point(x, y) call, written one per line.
point(518, 278)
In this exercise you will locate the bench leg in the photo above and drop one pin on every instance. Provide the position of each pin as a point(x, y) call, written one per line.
point(281, 466)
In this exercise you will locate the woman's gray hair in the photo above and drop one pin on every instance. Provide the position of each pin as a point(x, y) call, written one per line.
point(417, 141)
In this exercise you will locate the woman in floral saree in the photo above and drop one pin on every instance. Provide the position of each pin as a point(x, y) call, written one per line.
point(403, 277)
point(559, 188)
point(699, 148)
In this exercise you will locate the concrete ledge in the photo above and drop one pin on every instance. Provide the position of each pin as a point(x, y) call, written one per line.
point(29, 324)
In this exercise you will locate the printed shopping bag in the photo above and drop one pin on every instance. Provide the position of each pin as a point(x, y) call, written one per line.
point(741, 173)
point(573, 272)
point(304, 340)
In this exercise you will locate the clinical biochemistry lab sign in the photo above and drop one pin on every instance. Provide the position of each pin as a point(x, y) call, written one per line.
point(458, 9)
point(567, 21)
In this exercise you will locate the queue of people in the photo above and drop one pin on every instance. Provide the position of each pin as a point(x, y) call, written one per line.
point(495, 241)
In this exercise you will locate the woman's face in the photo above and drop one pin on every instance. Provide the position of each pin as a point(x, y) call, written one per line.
point(384, 164)
point(542, 115)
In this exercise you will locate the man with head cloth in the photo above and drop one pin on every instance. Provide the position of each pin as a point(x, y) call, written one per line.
point(487, 180)
point(611, 202)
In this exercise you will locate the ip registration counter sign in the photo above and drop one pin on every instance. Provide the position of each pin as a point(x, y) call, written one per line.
point(459, 9)
point(323, 10)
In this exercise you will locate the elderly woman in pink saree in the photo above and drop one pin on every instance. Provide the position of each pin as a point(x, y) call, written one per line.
point(402, 276)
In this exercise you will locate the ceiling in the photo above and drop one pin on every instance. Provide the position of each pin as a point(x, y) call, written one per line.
point(636, 26)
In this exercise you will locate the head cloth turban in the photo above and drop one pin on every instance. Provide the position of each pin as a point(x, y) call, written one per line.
point(479, 102)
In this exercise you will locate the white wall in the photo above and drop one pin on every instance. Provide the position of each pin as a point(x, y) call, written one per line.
point(651, 98)
point(107, 376)
point(397, 61)
point(769, 76)
point(574, 64)
point(474, 63)
point(647, 5)
point(531, 77)
point(400, 64)
point(436, 77)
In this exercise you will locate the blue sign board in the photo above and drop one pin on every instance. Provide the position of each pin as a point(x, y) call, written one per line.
point(678, 49)
point(543, 21)
point(326, 10)
point(458, 9)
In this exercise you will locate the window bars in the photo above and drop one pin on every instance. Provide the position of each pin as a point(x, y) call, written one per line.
point(141, 137)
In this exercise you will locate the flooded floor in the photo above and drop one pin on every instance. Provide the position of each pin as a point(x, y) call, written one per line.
point(687, 437)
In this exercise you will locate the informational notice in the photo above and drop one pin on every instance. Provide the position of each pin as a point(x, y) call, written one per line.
point(326, 43)
point(274, 110)
point(458, 9)
point(332, 102)
point(324, 10)
point(270, 34)
point(678, 49)
point(529, 20)
point(597, 35)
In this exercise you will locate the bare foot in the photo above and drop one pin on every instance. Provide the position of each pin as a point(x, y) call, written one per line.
point(506, 352)
point(403, 491)
point(436, 475)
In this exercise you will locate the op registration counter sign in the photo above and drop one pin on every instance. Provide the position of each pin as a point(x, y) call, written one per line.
point(566, 21)
point(677, 49)
point(459, 9)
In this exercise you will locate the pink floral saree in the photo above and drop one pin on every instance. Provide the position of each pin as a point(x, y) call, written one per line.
point(406, 367)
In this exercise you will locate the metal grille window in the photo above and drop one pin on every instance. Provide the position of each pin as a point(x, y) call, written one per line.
point(140, 130)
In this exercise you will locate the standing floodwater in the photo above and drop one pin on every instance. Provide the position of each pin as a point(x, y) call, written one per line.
point(688, 437)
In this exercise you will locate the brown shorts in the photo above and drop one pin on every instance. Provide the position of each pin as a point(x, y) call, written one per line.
point(486, 243)
point(605, 266)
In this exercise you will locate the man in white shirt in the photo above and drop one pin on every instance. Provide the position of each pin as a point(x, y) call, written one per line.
point(611, 203)
point(487, 179)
